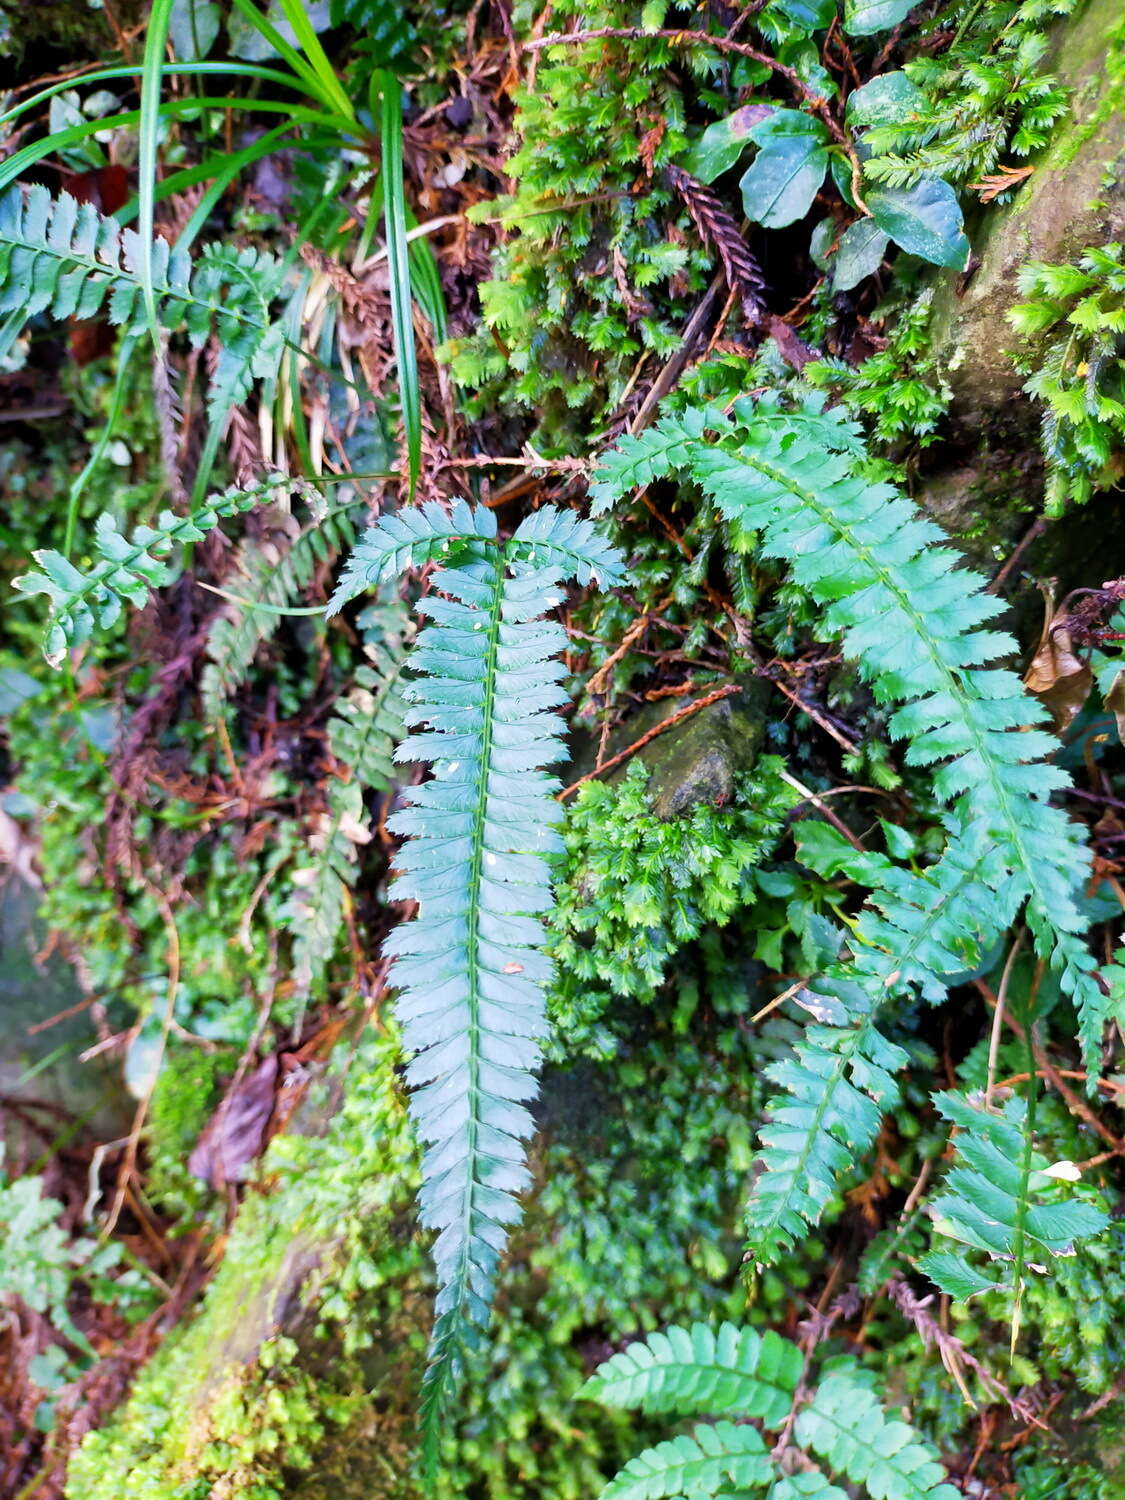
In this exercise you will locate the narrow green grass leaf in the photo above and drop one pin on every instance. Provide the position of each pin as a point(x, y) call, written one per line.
point(398, 256)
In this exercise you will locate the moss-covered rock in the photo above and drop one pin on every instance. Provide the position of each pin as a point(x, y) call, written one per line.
point(1074, 198)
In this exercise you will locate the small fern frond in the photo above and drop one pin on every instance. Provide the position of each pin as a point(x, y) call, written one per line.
point(362, 733)
point(1004, 1202)
point(470, 968)
point(841, 1421)
point(66, 258)
point(409, 538)
point(719, 1460)
point(130, 567)
point(271, 579)
point(700, 1370)
point(845, 1425)
point(837, 1084)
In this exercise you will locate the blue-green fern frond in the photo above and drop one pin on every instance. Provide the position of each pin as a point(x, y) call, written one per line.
point(1003, 1202)
point(470, 968)
point(129, 567)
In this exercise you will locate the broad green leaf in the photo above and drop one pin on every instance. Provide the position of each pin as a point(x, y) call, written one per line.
point(886, 100)
point(953, 1275)
point(193, 28)
point(722, 143)
point(782, 181)
point(924, 219)
point(812, 15)
point(865, 17)
point(253, 42)
point(860, 254)
point(820, 243)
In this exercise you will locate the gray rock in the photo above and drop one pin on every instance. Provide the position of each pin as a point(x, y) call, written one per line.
point(701, 759)
point(1075, 198)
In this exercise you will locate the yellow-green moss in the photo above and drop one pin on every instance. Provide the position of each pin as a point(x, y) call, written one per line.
point(237, 1403)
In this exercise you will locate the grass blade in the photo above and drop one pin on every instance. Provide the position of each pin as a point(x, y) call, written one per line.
point(152, 80)
point(398, 258)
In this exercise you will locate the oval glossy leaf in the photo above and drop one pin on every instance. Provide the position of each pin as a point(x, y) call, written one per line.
point(865, 17)
point(810, 15)
point(193, 27)
point(722, 143)
point(820, 243)
point(780, 184)
point(860, 254)
point(886, 100)
point(924, 219)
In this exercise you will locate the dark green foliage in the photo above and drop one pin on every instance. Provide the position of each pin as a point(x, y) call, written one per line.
point(984, 95)
point(362, 733)
point(584, 282)
point(271, 575)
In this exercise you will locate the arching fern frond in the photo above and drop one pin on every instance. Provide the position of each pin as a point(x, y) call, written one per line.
point(701, 1370)
point(1003, 1202)
point(790, 487)
point(470, 968)
point(272, 575)
point(129, 568)
point(840, 1421)
point(912, 621)
point(68, 259)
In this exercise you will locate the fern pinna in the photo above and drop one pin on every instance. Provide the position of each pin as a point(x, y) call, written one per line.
point(469, 969)
point(791, 485)
point(64, 257)
point(738, 1373)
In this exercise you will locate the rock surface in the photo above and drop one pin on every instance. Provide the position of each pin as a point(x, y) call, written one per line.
point(1075, 198)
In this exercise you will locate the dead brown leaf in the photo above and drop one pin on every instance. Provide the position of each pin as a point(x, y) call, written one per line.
point(1115, 702)
point(1059, 678)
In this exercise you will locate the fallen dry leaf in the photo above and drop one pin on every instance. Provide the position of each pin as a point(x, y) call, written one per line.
point(1059, 678)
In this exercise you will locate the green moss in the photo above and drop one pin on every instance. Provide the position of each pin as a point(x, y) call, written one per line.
point(234, 1402)
point(639, 887)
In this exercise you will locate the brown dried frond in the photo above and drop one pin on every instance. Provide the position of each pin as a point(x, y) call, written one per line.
point(719, 232)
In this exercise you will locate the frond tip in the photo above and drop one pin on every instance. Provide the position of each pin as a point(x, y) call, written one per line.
point(470, 969)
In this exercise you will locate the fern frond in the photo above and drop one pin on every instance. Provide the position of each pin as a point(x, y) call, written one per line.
point(699, 1369)
point(912, 620)
point(130, 567)
point(712, 1460)
point(1002, 1202)
point(841, 1421)
point(470, 968)
point(837, 1085)
point(409, 538)
point(68, 259)
point(275, 581)
point(362, 734)
point(846, 1426)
